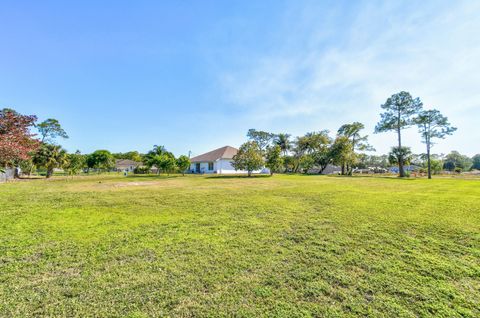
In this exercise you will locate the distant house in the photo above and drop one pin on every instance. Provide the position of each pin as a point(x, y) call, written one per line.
point(217, 161)
point(126, 165)
point(409, 168)
point(329, 169)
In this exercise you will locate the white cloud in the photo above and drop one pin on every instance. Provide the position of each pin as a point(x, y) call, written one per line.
point(334, 71)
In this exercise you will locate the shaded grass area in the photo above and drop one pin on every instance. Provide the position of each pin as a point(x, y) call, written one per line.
point(286, 246)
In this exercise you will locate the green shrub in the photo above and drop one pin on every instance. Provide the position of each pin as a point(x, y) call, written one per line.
point(141, 170)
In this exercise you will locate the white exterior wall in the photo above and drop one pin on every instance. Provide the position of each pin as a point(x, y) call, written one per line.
point(222, 166)
point(203, 167)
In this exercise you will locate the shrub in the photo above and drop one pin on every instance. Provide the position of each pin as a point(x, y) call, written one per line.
point(141, 170)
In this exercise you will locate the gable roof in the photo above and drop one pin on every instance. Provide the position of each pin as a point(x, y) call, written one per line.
point(226, 152)
point(126, 162)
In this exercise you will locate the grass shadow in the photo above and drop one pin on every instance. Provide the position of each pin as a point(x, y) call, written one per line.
point(150, 176)
point(237, 176)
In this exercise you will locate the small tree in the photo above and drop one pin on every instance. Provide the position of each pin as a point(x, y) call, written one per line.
point(306, 163)
point(51, 129)
point(27, 166)
point(476, 162)
point(359, 142)
point(399, 111)
point(168, 163)
point(283, 141)
point(50, 157)
point(397, 154)
point(164, 162)
point(155, 157)
point(75, 163)
point(274, 160)
point(432, 124)
point(249, 157)
point(155, 161)
point(316, 145)
point(16, 141)
point(341, 153)
point(101, 160)
point(436, 166)
point(290, 163)
point(183, 163)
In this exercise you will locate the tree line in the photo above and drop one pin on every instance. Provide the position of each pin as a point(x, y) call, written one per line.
point(20, 147)
point(281, 153)
point(348, 148)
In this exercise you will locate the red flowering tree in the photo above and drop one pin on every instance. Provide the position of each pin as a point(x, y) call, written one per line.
point(16, 140)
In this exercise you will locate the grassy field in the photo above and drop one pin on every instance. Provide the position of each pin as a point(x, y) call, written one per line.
point(196, 246)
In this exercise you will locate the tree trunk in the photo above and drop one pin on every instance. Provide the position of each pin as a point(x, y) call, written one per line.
point(49, 173)
point(401, 169)
point(249, 173)
point(429, 162)
point(322, 168)
point(343, 169)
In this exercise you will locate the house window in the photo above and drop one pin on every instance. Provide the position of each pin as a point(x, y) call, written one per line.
point(210, 166)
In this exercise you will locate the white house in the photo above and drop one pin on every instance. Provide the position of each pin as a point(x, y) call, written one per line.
point(126, 165)
point(217, 161)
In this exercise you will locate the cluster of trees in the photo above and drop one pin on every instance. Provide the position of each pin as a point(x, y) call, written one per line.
point(165, 161)
point(279, 152)
point(131, 155)
point(454, 161)
point(318, 149)
point(19, 147)
point(401, 111)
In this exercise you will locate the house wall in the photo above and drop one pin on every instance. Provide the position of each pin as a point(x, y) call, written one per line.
point(203, 167)
point(125, 167)
point(222, 166)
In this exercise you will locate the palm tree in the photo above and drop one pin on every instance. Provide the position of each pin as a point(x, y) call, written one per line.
point(283, 140)
point(357, 141)
point(50, 157)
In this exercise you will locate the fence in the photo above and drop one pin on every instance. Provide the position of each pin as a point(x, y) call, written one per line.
point(9, 174)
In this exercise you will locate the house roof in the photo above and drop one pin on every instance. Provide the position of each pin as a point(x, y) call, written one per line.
point(126, 162)
point(226, 152)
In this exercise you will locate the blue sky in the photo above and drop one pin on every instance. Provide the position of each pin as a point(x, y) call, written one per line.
point(196, 75)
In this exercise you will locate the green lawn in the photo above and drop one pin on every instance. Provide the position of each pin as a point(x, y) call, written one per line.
point(194, 246)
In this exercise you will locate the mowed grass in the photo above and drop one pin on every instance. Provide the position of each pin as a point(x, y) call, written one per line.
point(196, 246)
